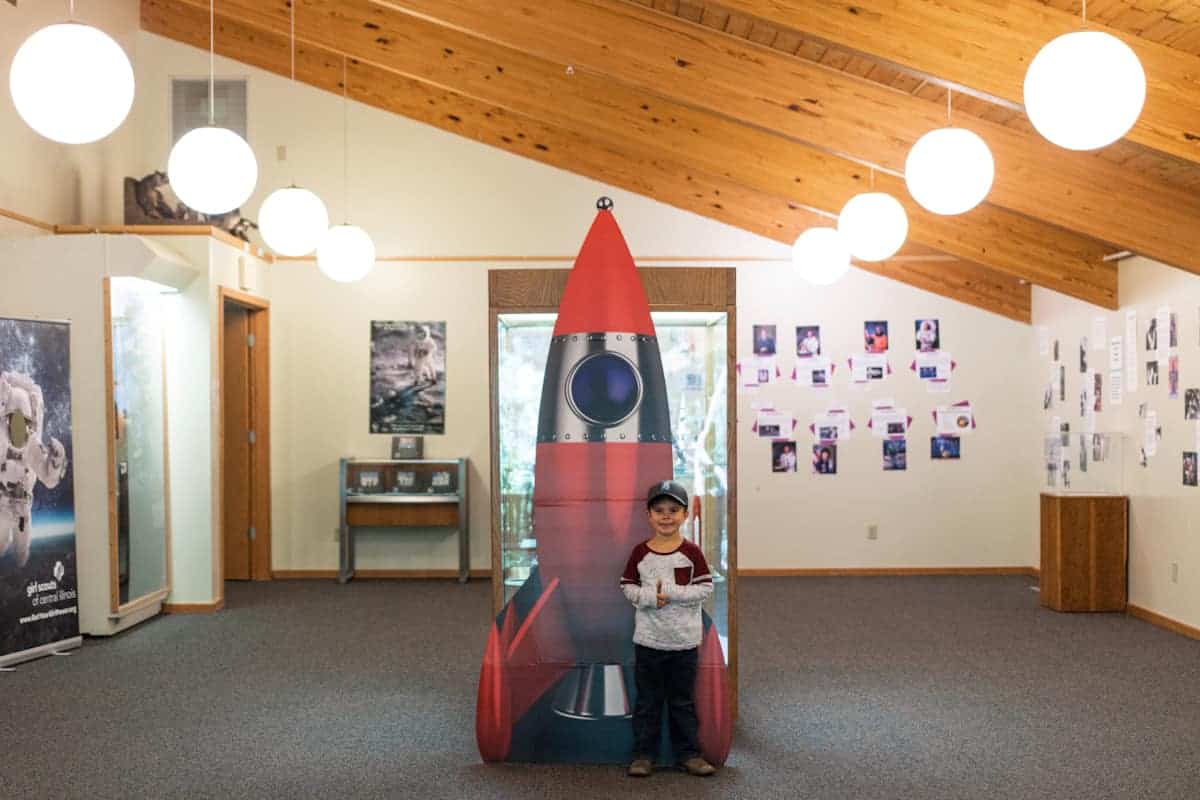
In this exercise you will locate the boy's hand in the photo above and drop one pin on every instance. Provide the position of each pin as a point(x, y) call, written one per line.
point(662, 598)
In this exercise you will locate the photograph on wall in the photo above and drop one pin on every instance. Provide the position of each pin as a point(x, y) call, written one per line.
point(1083, 354)
point(808, 341)
point(38, 604)
point(764, 340)
point(408, 377)
point(944, 447)
point(1098, 392)
point(772, 423)
point(954, 420)
point(824, 460)
point(1191, 404)
point(813, 371)
point(1062, 383)
point(1173, 339)
point(783, 456)
point(875, 336)
point(1056, 359)
point(1173, 377)
point(929, 336)
point(1189, 468)
point(1152, 373)
point(895, 455)
point(1152, 335)
point(1101, 444)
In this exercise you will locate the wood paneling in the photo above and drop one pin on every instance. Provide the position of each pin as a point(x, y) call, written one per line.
point(1084, 544)
point(432, 515)
point(1154, 618)
point(798, 100)
point(667, 288)
point(975, 43)
point(236, 480)
point(648, 163)
point(194, 608)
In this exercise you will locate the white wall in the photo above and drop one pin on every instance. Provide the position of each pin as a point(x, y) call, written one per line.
point(975, 512)
point(48, 181)
point(1164, 514)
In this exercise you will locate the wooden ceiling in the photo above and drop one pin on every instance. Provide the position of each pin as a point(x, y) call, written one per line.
point(769, 114)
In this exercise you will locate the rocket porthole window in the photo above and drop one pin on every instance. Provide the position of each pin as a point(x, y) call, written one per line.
point(604, 389)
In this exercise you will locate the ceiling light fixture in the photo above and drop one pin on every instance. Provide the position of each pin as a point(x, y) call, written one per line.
point(212, 169)
point(820, 256)
point(71, 82)
point(1085, 89)
point(292, 220)
point(873, 225)
point(346, 252)
point(949, 170)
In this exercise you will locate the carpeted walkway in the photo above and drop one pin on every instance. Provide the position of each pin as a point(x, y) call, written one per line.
point(851, 688)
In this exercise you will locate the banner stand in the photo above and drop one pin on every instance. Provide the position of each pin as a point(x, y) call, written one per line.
point(38, 652)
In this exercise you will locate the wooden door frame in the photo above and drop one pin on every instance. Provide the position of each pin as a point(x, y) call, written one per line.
point(534, 291)
point(116, 609)
point(260, 401)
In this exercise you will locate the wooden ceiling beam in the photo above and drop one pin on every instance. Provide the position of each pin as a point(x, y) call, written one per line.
point(593, 105)
point(801, 100)
point(599, 158)
point(978, 44)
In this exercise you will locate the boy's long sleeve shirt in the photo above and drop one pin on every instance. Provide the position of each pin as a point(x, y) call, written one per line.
point(687, 583)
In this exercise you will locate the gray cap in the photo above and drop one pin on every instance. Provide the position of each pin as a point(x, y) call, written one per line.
point(671, 489)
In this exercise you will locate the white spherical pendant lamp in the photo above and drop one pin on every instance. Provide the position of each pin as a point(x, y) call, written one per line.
point(346, 253)
point(71, 83)
point(873, 226)
point(1084, 90)
point(949, 171)
point(212, 170)
point(820, 256)
point(292, 221)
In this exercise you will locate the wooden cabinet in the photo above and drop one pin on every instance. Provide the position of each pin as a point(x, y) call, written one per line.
point(1084, 552)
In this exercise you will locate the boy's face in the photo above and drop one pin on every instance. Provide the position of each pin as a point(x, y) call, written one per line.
point(666, 516)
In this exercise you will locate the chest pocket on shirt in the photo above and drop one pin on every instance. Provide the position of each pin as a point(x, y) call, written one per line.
point(683, 576)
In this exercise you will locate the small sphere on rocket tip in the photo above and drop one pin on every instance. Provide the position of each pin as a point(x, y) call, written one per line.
point(604, 204)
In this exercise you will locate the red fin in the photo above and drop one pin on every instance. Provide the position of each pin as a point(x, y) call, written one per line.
point(541, 651)
point(712, 700)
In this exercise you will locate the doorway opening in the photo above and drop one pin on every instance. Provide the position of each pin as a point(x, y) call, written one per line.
point(245, 459)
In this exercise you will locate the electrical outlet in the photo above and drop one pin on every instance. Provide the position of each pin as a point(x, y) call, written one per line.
point(1174, 572)
point(872, 531)
point(281, 152)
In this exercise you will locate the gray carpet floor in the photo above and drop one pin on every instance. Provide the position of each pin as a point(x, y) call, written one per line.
point(850, 688)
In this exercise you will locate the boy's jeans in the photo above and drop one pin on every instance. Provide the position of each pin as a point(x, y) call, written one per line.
point(665, 676)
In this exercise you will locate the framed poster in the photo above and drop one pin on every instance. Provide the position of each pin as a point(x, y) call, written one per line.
point(408, 377)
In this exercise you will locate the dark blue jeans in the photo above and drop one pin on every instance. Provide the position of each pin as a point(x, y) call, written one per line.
point(665, 677)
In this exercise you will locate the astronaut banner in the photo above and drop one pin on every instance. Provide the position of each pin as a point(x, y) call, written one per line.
point(37, 501)
point(408, 377)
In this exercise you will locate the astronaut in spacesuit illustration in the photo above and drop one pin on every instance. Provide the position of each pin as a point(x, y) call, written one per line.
point(26, 460)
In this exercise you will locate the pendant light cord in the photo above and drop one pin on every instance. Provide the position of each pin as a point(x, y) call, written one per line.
point(212, 70)
point(1085, 13)
point(345, 146)
point(71, 5)
point(292, 4)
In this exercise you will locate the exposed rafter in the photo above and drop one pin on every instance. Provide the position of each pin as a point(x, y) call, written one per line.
point(600, 157)
point(975, 43)
point(656, 128)
point(796, 98)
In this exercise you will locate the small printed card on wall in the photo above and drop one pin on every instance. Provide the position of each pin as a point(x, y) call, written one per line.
point(888, 422)
point(815, 372)
point(869, 368)
point(832, 425)
point(773, 423)
point(934, 370)
point(757, 371)
point(954, 420)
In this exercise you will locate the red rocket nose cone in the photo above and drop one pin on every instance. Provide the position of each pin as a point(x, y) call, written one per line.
point(604, 291)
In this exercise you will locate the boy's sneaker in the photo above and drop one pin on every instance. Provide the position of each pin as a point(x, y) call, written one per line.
point(698, 766)
point(640, 768)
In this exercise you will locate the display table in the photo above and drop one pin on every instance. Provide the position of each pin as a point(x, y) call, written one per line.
point(403, 493)
point(1084, 552)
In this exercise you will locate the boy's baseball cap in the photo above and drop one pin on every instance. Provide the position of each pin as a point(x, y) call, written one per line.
point(671, 489)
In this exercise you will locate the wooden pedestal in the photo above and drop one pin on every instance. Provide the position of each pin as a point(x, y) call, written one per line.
point(1084, 549)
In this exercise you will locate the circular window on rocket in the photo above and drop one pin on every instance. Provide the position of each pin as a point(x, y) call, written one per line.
point(604, 389)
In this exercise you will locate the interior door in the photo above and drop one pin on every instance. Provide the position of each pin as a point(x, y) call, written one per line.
point(237, 515)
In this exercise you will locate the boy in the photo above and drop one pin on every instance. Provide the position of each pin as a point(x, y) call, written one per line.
point(667, 580)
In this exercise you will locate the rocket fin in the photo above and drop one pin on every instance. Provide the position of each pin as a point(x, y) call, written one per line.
point(541, 651)
point(712, 699)
point(493, 709)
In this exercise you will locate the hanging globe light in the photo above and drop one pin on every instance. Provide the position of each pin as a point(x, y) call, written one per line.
point(873, 226)
point(820, 256)
point(292, 221)
point(212, 170)
point(1084, 90)
point(71, 83)
point(949, 171)
point(346, 253)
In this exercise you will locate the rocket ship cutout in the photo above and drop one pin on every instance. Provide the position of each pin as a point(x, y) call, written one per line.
point(556, 680)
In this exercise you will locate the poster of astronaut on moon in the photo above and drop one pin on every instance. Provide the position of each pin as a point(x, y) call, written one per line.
point(408, 377)
point(38, 603)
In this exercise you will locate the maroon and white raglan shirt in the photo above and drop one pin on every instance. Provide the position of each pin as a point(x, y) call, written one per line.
point(686, 582)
